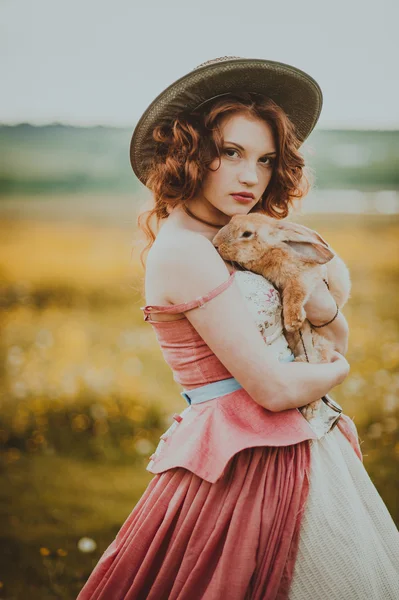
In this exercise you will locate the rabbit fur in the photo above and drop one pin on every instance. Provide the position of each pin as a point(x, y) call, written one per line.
point(293, 258)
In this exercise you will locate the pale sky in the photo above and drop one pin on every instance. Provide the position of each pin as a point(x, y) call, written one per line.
point(88, 62)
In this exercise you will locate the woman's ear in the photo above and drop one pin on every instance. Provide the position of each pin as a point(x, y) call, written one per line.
point(306, 242)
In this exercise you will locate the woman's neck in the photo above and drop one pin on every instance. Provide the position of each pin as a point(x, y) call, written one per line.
point(179, 220)
point(197, 216)
point(212, 224)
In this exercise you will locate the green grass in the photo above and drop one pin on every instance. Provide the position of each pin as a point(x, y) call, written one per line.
point(50, 502)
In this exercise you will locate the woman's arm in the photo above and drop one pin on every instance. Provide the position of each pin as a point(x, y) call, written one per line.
point(320, 308)
point(190, 270)
point(301, 384)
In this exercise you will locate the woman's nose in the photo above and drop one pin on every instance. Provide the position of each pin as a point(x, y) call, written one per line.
point(248, 175)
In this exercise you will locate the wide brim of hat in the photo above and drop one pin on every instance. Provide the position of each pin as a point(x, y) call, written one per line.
point(298, 94)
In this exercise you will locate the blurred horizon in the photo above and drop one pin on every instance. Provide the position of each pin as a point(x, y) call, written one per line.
point(354, 171)
point(109, 125)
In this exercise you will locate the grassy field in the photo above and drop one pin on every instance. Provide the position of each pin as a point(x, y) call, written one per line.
point(62, 159)
point(85, 393)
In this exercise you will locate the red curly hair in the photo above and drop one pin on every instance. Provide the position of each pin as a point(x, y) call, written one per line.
point(187, 147)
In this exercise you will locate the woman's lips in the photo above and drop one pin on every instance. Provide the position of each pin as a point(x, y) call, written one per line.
point(245, 199)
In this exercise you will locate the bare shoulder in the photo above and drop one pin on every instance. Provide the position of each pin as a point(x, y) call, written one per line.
point(182, 247)
point(181, 267)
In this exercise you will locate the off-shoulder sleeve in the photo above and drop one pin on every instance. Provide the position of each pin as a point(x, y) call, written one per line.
point(185, 306)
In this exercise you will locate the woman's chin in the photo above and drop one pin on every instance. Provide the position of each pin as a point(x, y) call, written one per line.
point(242, 210)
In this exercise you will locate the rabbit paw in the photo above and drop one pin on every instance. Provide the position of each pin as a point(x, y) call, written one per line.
point(301, 358)
point(310, 410)
point(293, 319)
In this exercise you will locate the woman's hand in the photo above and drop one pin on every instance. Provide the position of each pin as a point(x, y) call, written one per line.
point(320, 306)
point(320, 309)
point(341, 365)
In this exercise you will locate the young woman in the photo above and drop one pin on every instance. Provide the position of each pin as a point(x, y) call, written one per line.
point(249, 500)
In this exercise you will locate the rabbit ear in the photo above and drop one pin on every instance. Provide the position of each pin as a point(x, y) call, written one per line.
point(306, 242)
point(300, 233)
point(311, 252)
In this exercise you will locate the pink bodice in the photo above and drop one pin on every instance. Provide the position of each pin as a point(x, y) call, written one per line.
point(205, 436)
point(192, 361)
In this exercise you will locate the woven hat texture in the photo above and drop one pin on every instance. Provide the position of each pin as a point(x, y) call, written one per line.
point(294, 90)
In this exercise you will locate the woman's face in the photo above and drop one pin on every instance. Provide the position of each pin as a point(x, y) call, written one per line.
point(246, 165)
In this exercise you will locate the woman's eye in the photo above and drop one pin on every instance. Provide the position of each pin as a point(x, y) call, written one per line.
point(230, 151)
point(233, 153)
point(267, 160)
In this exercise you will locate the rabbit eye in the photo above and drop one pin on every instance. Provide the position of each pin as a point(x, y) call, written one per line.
point(247, 234)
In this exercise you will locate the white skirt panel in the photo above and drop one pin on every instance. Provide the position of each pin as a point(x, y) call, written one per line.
point(349, 544)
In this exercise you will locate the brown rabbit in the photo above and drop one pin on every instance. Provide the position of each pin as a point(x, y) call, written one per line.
point(293, 258)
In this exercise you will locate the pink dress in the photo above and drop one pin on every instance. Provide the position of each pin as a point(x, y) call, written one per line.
point(222, 516)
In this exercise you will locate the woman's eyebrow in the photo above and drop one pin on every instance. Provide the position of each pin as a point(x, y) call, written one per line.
point(242, 148)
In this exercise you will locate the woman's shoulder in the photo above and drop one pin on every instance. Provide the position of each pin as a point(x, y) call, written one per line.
point(180, 266)
point(171, 234)
point(174, 247)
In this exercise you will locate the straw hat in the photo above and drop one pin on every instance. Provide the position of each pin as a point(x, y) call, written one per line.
point(294, 90)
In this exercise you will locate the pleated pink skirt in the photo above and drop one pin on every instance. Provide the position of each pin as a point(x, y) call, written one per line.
point(189, 539)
